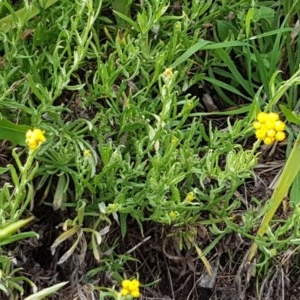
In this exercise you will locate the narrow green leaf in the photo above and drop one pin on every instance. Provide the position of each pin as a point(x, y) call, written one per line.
point(3, 170)
point(205, 45)
point(248, 19)
point(18, 237)
point(123, 223)
point(10, 229)
point(295, 192)
point(224, 85)
point(230, 112)
point(235, 73)
point(272, 32)
point(128, 20)
point(290, 115)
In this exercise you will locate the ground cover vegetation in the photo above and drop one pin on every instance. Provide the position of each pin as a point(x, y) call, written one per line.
point(149, 149)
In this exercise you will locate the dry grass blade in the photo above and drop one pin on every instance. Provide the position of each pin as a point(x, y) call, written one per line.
point(46, 292)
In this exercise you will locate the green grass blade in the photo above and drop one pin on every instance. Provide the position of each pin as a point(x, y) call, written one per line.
point(205, 45)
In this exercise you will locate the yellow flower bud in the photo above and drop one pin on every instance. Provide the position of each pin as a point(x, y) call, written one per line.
point(279, 126)
point(268, 140)
point(260, 134)
point(87, 153)
point(273, 116)
point(126, 283)
point(262, 117)
point(190, 197)
point(270, 124)
point(256, 125)
point(125, 292)
point(168, 73)
point(173, 214)
point(134, 284)
point(135, 294)
point(280, 136)
point(271, 133)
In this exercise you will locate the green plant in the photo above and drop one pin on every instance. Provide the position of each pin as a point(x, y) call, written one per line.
point(289, 172)
point(148, 109)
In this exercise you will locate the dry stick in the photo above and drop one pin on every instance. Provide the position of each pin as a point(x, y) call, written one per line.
point(139, 244)
point(285, 181)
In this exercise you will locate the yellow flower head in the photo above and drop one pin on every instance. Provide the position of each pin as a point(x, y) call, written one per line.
point(280, 136)
point(131, 287)
point(271, 133)
point(173, 214)
point(273, 116)
point(34, 138)
point(174, 140)
point(257, 125)
point(125, 292)
point(260, 134)
point(268, 140)
point(134, 285)
point(168, 73)
point(190, 197)
point(135, 294)
point(87, 153)
point(279, 126)
point(269, 128)
point(262, 117)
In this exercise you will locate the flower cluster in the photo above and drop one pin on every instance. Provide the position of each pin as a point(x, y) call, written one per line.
point(131, 288)
point(269, 128)
point(34, 138)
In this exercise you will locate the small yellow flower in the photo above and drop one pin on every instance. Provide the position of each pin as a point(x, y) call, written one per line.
point(279, 126)
point(268, 140)
point(174, 140)
point(134, 285)
point(135, 294)
point(34, 138)
point(260, 134)
point(271, 133)
point(256, 125)
point(126, 284)
point(168, 73)
point(190, 197)
point(270, 124)
point(273, 116)
point(87, 153)
point(173, 214)
point(125, 292)
point(280, 136)
point(262, 117)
